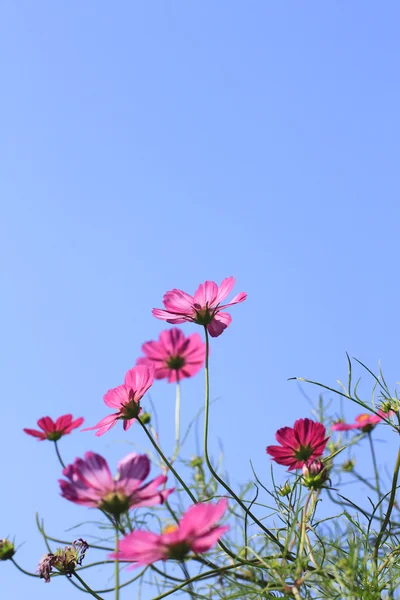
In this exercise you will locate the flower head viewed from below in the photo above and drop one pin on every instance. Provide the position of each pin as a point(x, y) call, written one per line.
point(89, 483)
point(366, 422)
point(53, 431)
point(305, 441)
point(197, 532)
point(203, 308)
point(126, 398)
point(174, 356)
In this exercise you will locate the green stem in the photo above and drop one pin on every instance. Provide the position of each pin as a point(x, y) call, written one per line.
point(215, 475)
point(378, 487)
point(87, 588)
point(116, 563)
point(166, 461)
point(177, 419)
point(59, 455)
point(390, 508)
point(23, 570)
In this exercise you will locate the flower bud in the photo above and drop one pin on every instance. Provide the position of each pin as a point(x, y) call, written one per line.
point(7, 550)
point(145, 417)
point(314, 473)
point(196, 461)
point(285, 489)
point(348, 465)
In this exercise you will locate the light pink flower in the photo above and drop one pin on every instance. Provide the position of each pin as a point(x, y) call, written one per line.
point(196, 532)
point(173, 356)
point(304, 442)
point(53, 431)
point(204, 307)
point(366, 422)
point(89, 482)
point(126, 398)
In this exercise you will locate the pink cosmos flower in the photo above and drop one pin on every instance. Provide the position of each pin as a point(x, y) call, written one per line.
point(366, 422)
point(53, 431)
point(204, 307)
point(305, 441)
point(126, 398)
point(196, 532)
point(173, 356)
point(89, 482)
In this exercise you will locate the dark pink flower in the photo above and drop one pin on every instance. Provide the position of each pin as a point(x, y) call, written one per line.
point(196, 532)
point(204, 307)
point(89, 482)
point(53, 431)
point(126, 399)
point(174, 356)
point(366, 422)
point(305, 441)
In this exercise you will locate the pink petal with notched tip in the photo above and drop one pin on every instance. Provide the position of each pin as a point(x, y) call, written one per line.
point(208, 540)
point(139, 379)
point(201, 517)
point(40, 435)
point(104, 425)
point(206, 295)
point(47, 424)
point(133, 470)
point(117, 397)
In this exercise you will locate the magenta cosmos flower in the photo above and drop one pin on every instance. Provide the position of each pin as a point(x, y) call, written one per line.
point(204, 307)
point(305, 441)
point(196, 532)
point(174, 356)
point(53, 431)
point(89, 482)
point(126, 399)
point(366, 422)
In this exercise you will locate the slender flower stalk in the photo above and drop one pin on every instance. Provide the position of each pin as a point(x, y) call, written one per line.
point(177, 419)
point(389, 510)
point(116, 564)
point(59, 455)
point(212, 471)
point(376, 472)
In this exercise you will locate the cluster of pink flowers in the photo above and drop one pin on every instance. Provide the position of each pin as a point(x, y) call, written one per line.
point(89, 482)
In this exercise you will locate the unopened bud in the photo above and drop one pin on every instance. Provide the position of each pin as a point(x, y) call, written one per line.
point(285, 489)
point(196, 461)
point(348, 465)
point(7, 550)
point(315, 473)
point(145, 417)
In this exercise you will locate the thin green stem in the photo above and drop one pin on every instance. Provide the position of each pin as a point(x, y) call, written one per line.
point(389, 509)
point(23, 570)
point(177, 420)
point(59, 455)
point(213, 472)
point(116, 563)
point(87, 588)
point(377, 479)
point(166, 461)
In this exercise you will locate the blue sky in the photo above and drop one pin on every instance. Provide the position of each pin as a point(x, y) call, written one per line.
point(146, 146)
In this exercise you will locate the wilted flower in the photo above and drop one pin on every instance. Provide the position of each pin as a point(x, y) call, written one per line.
point(65, 560)
point(366, 422)
point(126, 398)
point(305, 441)
point(90, 483)
point(7, 549)
point(53, 431)
point(174, 356)
point(204, 308)
point(197, 532)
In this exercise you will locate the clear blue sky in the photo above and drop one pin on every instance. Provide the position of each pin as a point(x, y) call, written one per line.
point(146, 146)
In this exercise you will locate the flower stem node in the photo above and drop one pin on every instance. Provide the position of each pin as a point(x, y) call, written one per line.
point(197, 461)
point(348, 465)
point(7, 549)
point(315, 474)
